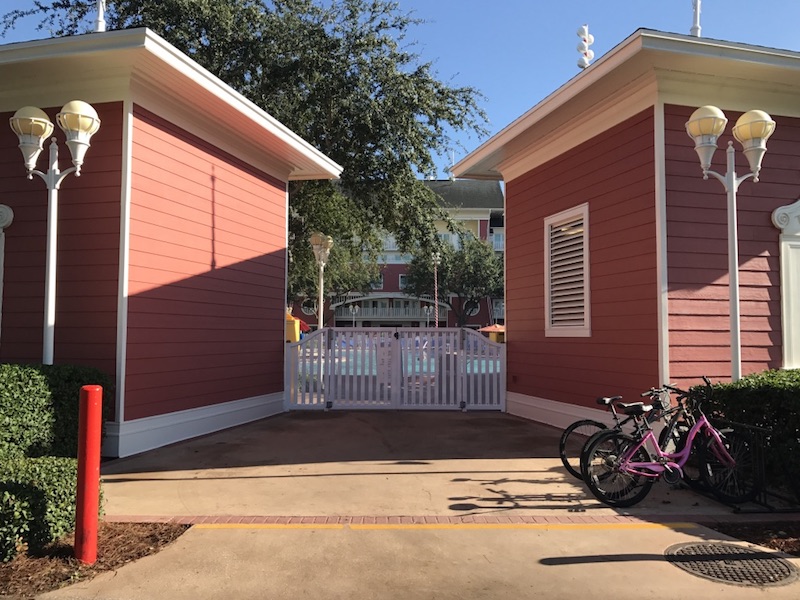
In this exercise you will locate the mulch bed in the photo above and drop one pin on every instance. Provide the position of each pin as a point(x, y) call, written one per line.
point(783, 536)
point(55, 567)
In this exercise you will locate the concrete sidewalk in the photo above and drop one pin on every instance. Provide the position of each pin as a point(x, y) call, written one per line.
point(396, 504)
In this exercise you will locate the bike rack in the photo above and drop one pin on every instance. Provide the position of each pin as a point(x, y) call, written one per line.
point(768, 499)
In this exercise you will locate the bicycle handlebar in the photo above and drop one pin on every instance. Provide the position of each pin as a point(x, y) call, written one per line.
point(668, 387)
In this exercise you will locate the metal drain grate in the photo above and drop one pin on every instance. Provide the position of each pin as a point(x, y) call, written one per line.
point(732, 564)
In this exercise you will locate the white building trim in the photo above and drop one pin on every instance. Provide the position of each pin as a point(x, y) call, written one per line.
point(662, 273)
point(787, 219)
point(132, 437)
point(6, 218)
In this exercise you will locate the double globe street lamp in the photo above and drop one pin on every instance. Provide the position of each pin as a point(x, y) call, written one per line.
point(752, 130)
point(321, 244)
point(79, 122)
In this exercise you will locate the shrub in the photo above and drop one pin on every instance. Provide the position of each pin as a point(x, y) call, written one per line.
point(26, 418)
point(65, 382)
point(768, 400)
point(37, 502)
point(39, 407)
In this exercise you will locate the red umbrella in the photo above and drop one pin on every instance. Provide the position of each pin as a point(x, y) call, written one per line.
point(304, 326)
point(493, 328)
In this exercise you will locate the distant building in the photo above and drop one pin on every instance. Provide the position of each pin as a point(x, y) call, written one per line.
point(478, 207)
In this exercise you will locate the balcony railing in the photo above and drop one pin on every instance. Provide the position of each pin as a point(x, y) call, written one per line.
point(369, 313)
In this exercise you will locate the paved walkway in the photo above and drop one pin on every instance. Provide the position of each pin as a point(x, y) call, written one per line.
point(397, 504)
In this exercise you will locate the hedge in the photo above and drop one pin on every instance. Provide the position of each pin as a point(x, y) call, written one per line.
point(37, 502)
point(39, 407)
point(769, 400)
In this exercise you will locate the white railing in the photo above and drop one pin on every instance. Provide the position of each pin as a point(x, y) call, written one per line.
point(395, 368)
point(371, 312)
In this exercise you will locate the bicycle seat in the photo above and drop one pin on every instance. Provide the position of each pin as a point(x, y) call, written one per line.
point(635, 409)
point(606, 400)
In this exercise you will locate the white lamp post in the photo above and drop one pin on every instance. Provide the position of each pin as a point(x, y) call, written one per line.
point(436, 258)
point(354, 308)
point(79, 122)
point(427, 309)
point(322, 245)
point(752, 130)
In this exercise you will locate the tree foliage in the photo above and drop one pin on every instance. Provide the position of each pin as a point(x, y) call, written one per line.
point(340, 73)
point(464, 276)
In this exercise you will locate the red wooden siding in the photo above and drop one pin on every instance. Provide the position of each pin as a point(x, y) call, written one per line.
point(697, 244)
point(614, 173)
point(207, 271)
point(88, 250)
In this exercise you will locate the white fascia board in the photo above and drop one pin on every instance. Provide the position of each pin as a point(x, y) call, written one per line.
point(483, 162)
point(144, 55)
point(318, 166)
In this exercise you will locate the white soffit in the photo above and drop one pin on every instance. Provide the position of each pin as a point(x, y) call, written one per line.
point(109, 62)
point(656, 66)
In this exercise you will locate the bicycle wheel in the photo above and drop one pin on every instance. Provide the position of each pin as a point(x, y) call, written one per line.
point(589, 443)
point(601, 470)
point(572, 442)
point(735, 484)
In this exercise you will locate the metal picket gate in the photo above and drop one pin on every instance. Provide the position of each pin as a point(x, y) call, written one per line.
point(395, 368)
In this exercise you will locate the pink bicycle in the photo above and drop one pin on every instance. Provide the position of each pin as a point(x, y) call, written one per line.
point(620, 468)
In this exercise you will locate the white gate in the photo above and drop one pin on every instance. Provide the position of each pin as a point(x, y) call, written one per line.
point(403, 368)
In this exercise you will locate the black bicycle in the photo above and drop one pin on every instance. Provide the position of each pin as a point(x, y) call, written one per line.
point(577, 436)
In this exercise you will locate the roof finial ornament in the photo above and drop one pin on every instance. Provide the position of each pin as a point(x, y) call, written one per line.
point(100, 22)
point(587, 39)
point(695, 30)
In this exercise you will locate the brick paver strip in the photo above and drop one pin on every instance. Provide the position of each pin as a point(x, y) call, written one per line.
point(449, 519)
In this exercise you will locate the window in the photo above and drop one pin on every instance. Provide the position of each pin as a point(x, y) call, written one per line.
point(566, 248)
point(377, 285)
point(471, 308)
point(402, 281)
point(309, 306)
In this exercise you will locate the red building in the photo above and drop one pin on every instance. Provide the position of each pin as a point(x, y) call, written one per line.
point(604, 168)
point(171, 245)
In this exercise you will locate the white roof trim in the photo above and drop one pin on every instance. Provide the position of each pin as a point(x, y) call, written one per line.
point(644, 51)
point(137, 47)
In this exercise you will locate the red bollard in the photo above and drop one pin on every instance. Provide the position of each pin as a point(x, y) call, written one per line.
point(87, 500)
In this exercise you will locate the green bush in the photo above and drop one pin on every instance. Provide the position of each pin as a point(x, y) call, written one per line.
point(65, 382)
point(39, 407)
point(37, 502)
point(769, 400)
point(26, 418)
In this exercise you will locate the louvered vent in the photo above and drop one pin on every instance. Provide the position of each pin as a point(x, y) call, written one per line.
point(567, 276)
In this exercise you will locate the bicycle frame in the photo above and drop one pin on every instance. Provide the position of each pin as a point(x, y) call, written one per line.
point(673, 461)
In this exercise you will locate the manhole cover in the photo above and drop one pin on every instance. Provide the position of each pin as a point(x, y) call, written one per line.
point(731, 564)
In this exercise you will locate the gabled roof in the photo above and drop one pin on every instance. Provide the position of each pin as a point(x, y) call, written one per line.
point(464, 193)
point(651, 66)
point(137, 65)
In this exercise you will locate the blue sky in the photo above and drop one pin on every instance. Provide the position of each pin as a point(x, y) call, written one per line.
point(517, 52)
